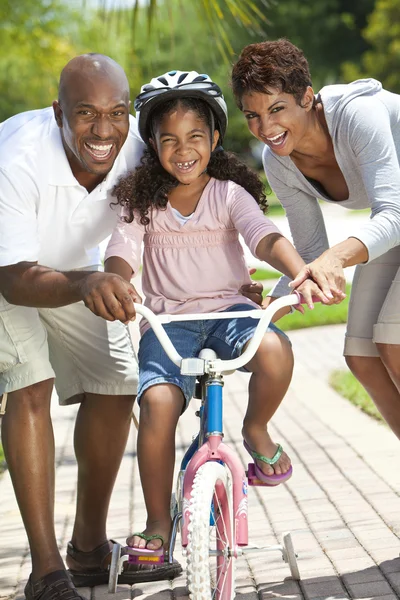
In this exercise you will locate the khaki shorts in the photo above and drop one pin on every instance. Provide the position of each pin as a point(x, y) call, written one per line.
point(83, 352)
point(374, 308)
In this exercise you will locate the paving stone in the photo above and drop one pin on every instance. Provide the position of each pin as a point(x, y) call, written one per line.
point(326, 506)
point(371, 588)
point(329, 588)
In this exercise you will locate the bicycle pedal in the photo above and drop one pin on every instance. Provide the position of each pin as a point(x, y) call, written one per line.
point(253, 479)
point(143, 556)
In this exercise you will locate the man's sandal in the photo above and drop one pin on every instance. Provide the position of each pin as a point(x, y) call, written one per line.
point(88, 569)
point(259, 474)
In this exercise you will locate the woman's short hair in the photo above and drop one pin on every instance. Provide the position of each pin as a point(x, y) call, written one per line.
point(274, 64)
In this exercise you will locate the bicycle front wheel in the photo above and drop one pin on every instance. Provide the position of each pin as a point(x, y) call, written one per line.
point(211, 540)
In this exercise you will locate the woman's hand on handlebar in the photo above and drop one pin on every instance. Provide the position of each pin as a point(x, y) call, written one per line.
point(327, 273)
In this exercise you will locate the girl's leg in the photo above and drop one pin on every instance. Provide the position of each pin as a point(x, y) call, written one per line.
point(271, 369)
point(160, 408)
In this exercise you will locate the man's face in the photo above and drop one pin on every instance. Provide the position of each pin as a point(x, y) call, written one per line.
point(93, 116)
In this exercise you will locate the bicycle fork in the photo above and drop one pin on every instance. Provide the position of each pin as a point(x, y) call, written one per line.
point(214, 449)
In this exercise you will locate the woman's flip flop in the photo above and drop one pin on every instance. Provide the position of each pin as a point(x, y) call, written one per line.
point(268, 479)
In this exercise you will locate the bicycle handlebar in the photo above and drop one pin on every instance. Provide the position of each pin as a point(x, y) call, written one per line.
point(219, 365)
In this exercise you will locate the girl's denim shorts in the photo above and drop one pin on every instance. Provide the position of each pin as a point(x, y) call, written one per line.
point(226, 337)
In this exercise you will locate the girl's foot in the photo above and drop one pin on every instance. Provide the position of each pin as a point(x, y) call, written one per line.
point(156, 528)
point(258, 440)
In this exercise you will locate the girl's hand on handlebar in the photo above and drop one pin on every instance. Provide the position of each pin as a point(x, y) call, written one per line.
point(311, 293)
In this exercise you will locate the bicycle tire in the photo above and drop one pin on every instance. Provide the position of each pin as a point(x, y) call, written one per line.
point(211, 576)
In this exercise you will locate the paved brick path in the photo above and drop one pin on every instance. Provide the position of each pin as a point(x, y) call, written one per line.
point(342, 504)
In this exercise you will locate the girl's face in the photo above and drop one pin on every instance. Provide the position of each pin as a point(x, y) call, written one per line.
point(183, 145)
point(276, 119)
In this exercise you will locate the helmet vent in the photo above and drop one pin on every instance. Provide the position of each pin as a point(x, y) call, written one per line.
point(182, 77)
point(201, 78)
point(163, 80)
point(147, 88)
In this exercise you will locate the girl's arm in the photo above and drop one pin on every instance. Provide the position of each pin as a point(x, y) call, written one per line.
point(116, 264)
point(122, 255)
point(277, 251)
point(266, 242)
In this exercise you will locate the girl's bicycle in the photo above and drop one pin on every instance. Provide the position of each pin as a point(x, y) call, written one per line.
point(210, 504)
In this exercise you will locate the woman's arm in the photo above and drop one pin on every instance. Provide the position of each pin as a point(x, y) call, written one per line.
point(371, 143)
point(308, 231)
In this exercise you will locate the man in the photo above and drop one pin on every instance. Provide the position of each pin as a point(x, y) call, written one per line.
point(57, 170)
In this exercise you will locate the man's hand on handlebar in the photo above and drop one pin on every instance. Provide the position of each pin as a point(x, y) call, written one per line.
point(109, 296)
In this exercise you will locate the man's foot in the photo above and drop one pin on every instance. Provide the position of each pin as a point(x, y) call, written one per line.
point(267, 455)
point(88, 569)
point(54, 586)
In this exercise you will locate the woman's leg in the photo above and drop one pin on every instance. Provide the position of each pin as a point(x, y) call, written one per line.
point(160, 408)
point(271, 369)
point(375, 377)
point(372, 349)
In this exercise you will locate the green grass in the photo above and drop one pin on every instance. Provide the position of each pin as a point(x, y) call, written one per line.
point(347, 385)
point(320, 315)
point(263, 274)
point(362, 211)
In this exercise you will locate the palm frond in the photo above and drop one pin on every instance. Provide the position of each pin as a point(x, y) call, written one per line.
point(217, 16)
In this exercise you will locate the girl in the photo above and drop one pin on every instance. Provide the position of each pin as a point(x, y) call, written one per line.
point(186, 204)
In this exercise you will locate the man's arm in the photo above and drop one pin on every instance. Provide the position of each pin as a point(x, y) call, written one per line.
point(107, 295)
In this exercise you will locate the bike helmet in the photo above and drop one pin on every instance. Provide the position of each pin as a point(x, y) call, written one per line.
point(179, 84)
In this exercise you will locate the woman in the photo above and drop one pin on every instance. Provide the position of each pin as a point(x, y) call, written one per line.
point(341, 146)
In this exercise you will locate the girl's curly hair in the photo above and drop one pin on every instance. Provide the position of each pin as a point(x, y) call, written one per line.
point(149, 184)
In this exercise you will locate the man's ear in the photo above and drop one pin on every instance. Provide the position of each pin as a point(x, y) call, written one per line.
point(58, 113)
point(215, 139)
point(307, 101)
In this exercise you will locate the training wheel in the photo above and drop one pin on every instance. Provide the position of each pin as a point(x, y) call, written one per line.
point(290, 556)
point(114, 569)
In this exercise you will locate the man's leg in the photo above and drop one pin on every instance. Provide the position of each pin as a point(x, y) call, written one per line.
point(101, 434)
point(27, 436)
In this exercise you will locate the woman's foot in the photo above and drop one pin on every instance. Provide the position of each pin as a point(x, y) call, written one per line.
point(259, 441)
point(161, 529)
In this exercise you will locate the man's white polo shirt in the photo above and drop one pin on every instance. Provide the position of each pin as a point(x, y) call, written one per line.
point(45, 214)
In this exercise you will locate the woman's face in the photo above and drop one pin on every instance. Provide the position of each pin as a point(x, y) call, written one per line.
point(276, 119)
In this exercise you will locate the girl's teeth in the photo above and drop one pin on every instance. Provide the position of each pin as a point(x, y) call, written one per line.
point(186, 165)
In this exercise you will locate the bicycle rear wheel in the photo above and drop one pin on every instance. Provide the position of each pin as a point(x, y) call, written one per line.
point(211, 541)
